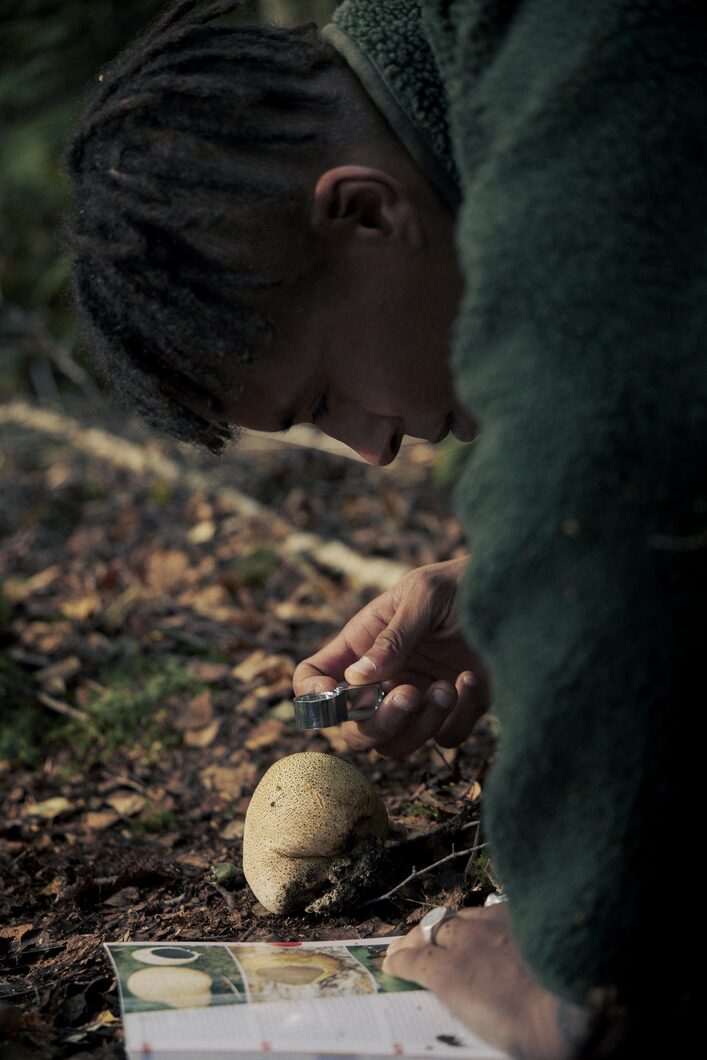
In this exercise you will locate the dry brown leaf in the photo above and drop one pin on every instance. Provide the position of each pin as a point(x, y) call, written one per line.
point(202, 532)
point(208, 672)
point(102, 1020)
point(261, 697)
point(228, 781)
point(234, 829)
point(82, 607)
point(50, 808)
point(262, 664)
point(18, 589)
point(54, 888)
point(194, 860)
point(127, 803)
point(164, 571)
point(335, 740)
point(195, 713)
point(290, 611)
point(202, 737)
point(16, 932)
point(126, 896)
point(99, 820)
point(265, 734)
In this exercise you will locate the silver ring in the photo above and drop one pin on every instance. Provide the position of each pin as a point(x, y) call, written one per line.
point(431, 922)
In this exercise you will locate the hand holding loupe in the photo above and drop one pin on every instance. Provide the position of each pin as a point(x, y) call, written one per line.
point(319, 710)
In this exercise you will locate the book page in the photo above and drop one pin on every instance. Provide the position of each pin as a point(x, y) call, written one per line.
point(292, 1000)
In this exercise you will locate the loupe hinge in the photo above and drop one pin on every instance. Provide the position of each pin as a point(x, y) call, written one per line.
point(319, 710)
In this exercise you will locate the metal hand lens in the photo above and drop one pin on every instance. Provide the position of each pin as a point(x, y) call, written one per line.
point(318, 710)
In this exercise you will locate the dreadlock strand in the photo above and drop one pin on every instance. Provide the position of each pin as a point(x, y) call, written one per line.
point(191, 206)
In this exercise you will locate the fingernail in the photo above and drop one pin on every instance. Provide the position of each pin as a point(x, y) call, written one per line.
point(365, 667)
point(441, 698)
point(398, 699)
point(470, 680)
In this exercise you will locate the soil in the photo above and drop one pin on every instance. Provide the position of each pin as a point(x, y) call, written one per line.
point(123, 820)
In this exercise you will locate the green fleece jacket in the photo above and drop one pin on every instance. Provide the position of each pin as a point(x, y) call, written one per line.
point(578, 135)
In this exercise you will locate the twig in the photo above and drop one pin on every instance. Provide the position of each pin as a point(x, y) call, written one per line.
point(470, 862)
point(368, 571)
point(228, 898)
point(62, 708)
point(422, 872)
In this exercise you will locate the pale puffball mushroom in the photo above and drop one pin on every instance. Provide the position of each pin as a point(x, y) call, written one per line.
point(176, 987)
point(308, 810)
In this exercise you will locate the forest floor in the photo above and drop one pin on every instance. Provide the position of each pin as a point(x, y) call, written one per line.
point(154, 602)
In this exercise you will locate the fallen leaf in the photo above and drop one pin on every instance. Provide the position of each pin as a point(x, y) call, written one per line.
point(335, 740)
point(18, 589)
point(284, 710)
point(126, 896)
point(103, 1019)
point(195, 713)
point(82, 607)
point(208, 672)
point(234, 829)
point(54, 888)
point(16, 933)
point(99, 820)
point(202, 532)
point(194, 860)
point(127, 803)
point(228, 781)
point(202, 737)
point(164, 571)
point(50, 808)
point(262, 664)
point(265, 734)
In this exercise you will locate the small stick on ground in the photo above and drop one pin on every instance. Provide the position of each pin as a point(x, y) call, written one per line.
point(61, 708)
point(227, 897)
point(422, 872)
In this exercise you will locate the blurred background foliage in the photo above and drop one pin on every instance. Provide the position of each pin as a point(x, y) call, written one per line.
point(51, 52)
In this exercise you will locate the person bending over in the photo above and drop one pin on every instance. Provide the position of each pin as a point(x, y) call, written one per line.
point(485, 218)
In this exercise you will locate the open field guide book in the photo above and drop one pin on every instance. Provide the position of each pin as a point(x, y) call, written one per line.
point(213, 1000)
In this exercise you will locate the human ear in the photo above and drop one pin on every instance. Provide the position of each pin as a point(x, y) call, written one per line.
point(365, 203)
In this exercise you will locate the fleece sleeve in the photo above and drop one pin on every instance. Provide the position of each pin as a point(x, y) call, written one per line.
point(580, 136)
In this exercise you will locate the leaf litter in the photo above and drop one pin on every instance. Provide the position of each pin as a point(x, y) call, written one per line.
point(148, 636)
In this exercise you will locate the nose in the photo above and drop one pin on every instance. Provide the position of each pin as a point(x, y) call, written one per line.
point(375, 438)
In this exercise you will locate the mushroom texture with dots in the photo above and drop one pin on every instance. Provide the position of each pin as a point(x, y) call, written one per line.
point(307, 811)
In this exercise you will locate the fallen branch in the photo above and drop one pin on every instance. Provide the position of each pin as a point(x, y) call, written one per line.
point(366, 571)
point(61, 708)
point(423, 872)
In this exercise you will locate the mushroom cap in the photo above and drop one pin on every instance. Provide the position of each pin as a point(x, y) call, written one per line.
point(308, 809)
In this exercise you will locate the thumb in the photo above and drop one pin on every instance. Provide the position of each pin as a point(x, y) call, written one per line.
point(392, 648)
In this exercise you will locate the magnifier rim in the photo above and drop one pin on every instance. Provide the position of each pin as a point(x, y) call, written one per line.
point(318, 697)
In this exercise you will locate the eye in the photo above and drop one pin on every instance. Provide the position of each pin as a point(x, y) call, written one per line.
point(321, 407)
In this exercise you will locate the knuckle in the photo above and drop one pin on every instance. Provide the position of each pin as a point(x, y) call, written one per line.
point(391, 640)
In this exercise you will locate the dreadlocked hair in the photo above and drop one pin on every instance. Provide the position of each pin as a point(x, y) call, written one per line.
point(189, 205)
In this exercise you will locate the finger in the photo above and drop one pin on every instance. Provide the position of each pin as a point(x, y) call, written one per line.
point(436, 705)
point(418, 963)
point(345, 648)
point(472, 702)
point(393, 645)
point(393, 716)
